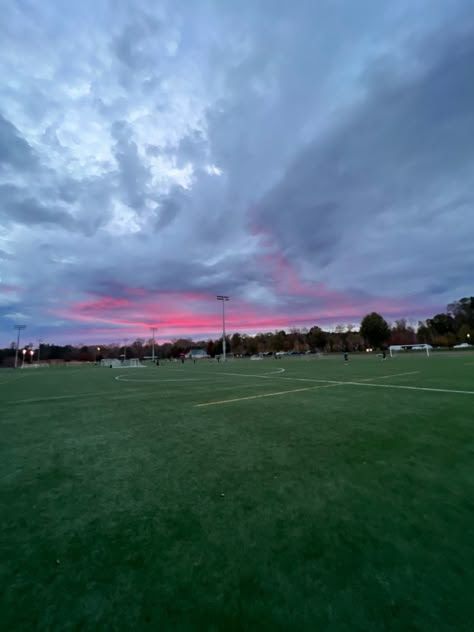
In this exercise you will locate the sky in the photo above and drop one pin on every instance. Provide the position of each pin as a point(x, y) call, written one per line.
point(313, 160)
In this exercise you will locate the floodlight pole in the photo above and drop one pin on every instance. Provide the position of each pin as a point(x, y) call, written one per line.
point(18, 328)
point(153, 329)
point(223, 300)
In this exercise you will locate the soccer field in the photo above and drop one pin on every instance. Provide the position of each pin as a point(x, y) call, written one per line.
point(292, 494)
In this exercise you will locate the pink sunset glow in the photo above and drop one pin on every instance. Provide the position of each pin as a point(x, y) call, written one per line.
point(195, 314)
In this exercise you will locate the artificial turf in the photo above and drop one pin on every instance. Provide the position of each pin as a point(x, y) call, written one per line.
point(124, 505)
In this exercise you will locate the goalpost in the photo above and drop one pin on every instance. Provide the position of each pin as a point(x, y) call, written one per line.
point(115, 363)
point(393, 349)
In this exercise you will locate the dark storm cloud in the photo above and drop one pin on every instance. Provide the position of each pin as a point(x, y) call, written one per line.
point(27, 210)
point(132, 45)
point(14, 150)
point(6, 255)
point(405, 147)
point(192, 148)
point(133, 175)
point(170, 206)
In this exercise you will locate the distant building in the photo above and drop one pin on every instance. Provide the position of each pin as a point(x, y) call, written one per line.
point(198, 354)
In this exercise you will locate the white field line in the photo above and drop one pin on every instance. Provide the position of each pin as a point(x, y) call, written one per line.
point(384, 377)
point(159, 380)
point(313, 379)
point(224, 386)
point(380, 377)
point(240, 399)
point(123, 378)
point(412, 388)
point(52, 398)
point(334, 383)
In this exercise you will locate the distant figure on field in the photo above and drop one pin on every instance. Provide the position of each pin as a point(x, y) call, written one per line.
point(384, 354)
point(346, 357)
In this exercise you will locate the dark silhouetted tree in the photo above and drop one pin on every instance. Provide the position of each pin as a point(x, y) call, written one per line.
point(374, 329)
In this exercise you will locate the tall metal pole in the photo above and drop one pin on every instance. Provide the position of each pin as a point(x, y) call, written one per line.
point(223, 331)
point(153, 329)
point(19, 328)
point(223, 299)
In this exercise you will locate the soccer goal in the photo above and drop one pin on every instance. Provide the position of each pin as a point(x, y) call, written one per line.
point(111, 363)
point(133, 363)
point(395, 349)
point(114, 363)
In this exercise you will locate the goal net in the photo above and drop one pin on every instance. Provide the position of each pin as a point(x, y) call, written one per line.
point(114, 363)
point(111, 363)
point(396, 349)
point(133, 363)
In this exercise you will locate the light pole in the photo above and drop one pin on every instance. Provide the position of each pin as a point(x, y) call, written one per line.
point(31, 356)
point(23, 361)
point(153, 329)
point(223, 300)
point(19, 328)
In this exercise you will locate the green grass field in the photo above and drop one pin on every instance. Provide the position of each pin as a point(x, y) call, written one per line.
point(320, 497)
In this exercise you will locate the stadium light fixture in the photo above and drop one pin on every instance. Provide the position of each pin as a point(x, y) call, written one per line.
point(223, 300)
point(23, 361)
point(18, 328)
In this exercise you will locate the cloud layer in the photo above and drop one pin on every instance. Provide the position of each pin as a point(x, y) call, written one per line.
point(314, 161)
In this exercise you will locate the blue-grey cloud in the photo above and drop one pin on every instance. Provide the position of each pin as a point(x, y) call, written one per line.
point(288, 156)
point(14, 150)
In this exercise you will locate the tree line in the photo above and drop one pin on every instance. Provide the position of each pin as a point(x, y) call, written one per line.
point(446, 329)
